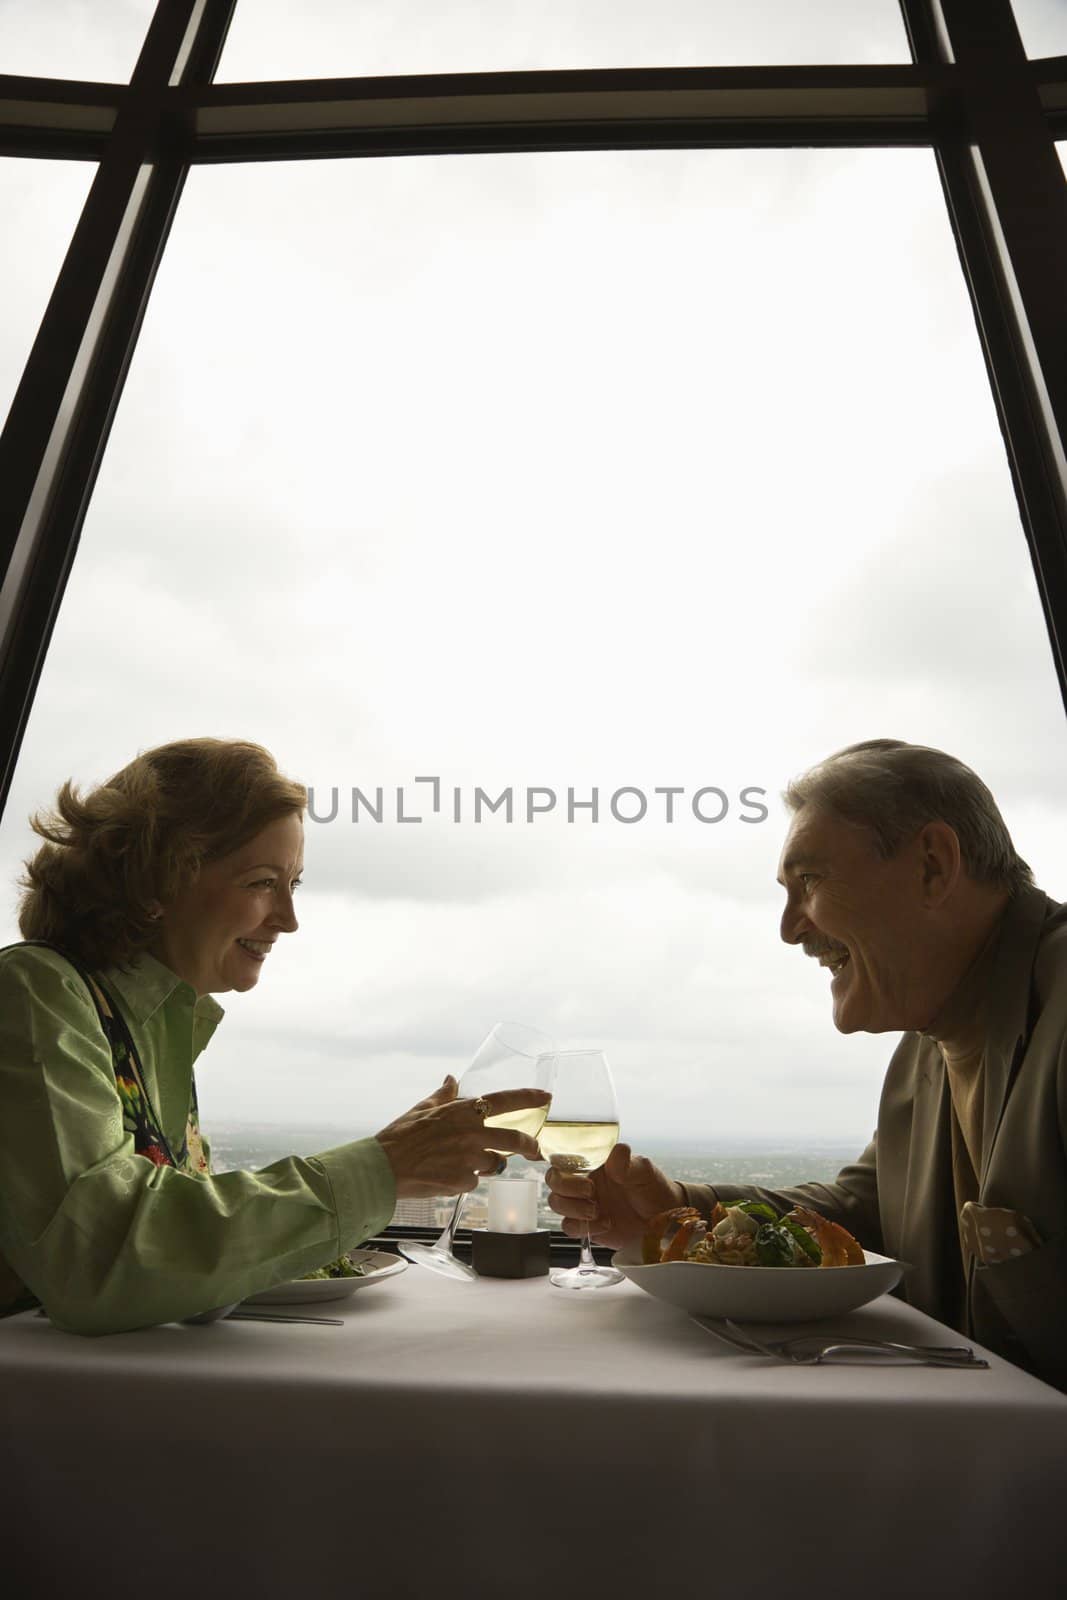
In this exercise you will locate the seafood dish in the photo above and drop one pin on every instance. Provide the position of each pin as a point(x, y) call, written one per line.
point(749, 1234)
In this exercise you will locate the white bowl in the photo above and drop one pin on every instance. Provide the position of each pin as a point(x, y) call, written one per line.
point(762, 1294)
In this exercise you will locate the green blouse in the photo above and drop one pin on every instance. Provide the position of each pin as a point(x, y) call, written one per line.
point(106, 1239)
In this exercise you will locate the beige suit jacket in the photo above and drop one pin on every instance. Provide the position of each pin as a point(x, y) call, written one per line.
point(898, 1197)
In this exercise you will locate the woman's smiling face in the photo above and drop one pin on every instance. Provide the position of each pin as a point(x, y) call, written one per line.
point(218, 933)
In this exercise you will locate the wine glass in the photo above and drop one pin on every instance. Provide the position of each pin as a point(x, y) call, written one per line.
point(581, 1131)
point(511, 1056)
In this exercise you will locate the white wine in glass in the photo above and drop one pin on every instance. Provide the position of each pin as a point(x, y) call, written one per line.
point(579, 1134)
point(511, 1056)
point(530, 1121)
point(578, 1146)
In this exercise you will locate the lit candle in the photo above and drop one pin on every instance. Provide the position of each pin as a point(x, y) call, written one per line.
point(513, 1204)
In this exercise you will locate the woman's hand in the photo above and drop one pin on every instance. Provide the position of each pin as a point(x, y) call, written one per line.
point(616, 1201)
point(442, 1146)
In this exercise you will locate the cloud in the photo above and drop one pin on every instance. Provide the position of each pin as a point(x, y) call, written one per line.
point(378, 37)
point(956, 642)
point(66, 39)
point(702, 1034)
point(584, 469)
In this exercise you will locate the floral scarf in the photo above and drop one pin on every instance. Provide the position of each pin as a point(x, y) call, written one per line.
point(139, 1118)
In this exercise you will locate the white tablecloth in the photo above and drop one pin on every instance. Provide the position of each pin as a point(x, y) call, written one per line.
point(508, 1438)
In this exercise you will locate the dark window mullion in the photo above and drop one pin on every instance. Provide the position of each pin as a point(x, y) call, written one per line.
point(1007, 200)
point(59, 421)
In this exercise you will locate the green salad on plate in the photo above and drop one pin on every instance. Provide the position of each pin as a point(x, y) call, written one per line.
point(343, 1267)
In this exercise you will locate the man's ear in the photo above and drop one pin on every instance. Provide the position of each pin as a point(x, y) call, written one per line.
point(939, 861)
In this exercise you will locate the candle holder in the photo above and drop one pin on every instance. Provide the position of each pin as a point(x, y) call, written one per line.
point(512, 1204)
point(512, 1246)
point(511, 1255)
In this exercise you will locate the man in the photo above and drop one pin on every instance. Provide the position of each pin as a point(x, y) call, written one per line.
point(901, 878)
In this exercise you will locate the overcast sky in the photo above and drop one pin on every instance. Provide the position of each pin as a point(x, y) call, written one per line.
point(574, 470)
point(334, 38)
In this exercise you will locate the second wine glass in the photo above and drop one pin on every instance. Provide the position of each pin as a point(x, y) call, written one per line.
point(511, 1056)
point(581, 1132)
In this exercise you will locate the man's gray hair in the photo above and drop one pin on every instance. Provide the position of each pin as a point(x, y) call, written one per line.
point(894, 788)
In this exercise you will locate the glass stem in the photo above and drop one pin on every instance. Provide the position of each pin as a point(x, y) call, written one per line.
point(445, 1242)
point(585, 1257)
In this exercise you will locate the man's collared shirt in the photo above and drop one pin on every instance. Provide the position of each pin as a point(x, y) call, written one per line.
point(959, 1031)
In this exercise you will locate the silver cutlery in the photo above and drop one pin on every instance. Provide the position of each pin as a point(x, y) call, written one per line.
point(224, 1315)
point(810, 1350)
point(802, 1341)
point(272, 1316)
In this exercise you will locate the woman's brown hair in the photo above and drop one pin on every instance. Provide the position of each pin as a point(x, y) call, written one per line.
point(140, 838)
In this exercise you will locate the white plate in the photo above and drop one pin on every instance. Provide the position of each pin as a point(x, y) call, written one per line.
point(762, 1294)
point(378, 1263)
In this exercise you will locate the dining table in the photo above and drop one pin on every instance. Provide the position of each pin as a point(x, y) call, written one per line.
point(506, 1437)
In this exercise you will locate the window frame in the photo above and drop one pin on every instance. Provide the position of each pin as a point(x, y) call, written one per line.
point(989, 115)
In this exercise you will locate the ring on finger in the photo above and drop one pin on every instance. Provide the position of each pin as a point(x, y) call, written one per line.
point(481, 1105)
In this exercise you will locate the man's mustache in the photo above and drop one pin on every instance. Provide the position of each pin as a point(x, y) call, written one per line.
point(823, 947)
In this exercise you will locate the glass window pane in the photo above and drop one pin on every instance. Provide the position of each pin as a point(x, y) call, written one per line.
point(92, 40)
point(617, 471)
point(1043, 26)
point(332, 38)
point(40, 202)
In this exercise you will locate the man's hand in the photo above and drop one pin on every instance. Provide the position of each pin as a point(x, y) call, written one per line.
point(442, 1146)
point(616, 1201)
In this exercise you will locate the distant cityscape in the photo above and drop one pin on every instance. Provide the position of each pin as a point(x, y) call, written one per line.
point(773, 1165)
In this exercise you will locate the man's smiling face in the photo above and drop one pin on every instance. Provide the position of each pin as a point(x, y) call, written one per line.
point(858, 914)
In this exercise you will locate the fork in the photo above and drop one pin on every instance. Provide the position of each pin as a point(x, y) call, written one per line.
point(921, 1355)
point(831, 1341)
point(786, 1350)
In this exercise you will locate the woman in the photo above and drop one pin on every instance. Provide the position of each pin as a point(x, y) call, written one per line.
point(169, 883)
